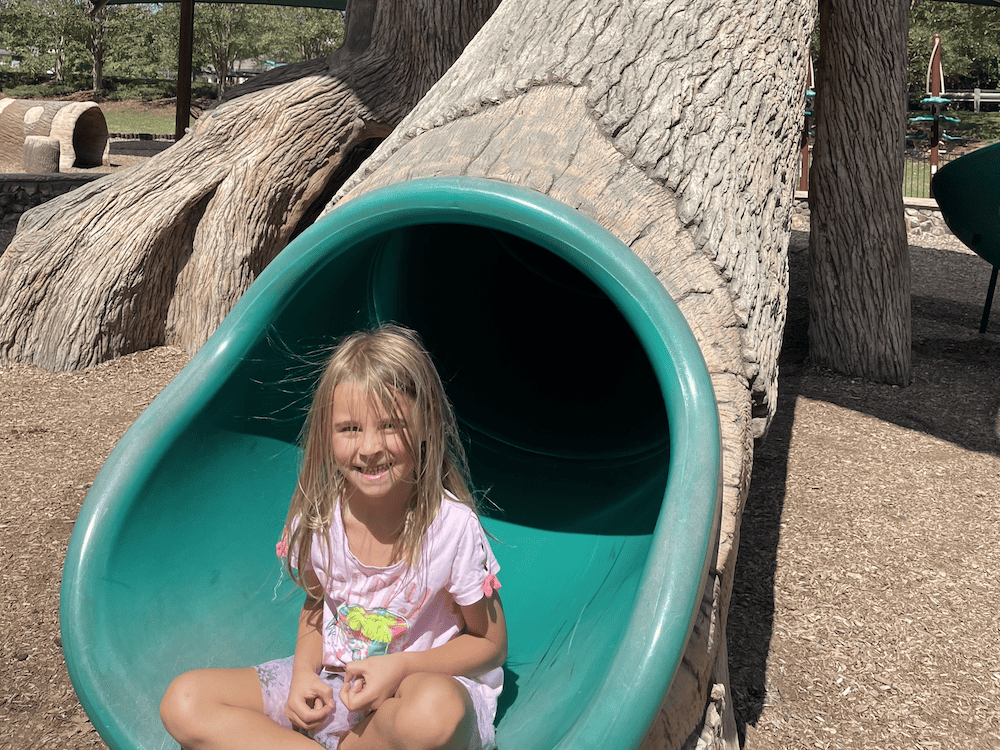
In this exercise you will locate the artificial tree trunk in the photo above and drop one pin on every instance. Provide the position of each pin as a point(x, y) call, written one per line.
point(859, 294)
point(673, 123)
point(675, 126)
point(160, 253)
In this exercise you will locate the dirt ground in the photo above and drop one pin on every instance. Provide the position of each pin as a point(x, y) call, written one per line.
point(864, 612)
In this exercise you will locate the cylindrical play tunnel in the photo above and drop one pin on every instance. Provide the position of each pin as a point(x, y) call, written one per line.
point(591, 426)
point(79, 127)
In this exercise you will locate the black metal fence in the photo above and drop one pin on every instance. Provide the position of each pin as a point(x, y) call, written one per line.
point(917, 169)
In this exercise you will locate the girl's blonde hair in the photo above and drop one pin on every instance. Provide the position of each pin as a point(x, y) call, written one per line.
point(384, 362)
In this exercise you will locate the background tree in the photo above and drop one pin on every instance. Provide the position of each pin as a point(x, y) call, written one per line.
point(95, 30)
point(132, 46)
point(224, 34)
point(230, 33)
point(139, 40)
point(970, 51)
point(166, 24)
point(66, 37)
point(859, 295)
point(45, 34)
point(11, 26)
point(297, 34)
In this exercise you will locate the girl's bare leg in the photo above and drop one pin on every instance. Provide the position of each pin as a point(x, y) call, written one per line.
point(223, 708)
point(428, 712)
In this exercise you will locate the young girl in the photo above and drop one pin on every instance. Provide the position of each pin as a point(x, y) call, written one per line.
point(402, 635)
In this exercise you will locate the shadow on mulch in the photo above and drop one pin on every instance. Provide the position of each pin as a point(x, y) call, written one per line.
point(954, 396)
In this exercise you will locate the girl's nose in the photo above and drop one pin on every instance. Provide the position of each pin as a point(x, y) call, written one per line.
point(371, 443)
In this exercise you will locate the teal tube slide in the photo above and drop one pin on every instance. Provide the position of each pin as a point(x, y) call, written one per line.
point(967, 191)
point(590, 419)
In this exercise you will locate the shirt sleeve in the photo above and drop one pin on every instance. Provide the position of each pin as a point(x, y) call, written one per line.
point(474, 564)
point(317, 555)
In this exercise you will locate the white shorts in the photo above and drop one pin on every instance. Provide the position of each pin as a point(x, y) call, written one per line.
point(276, 681)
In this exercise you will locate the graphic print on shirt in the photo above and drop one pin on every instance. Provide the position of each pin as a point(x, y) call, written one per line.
point(369, 632)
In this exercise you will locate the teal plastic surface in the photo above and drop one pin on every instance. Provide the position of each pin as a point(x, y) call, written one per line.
point(968, 192)
point(591, 421)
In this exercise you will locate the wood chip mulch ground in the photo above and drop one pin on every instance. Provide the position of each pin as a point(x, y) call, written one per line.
point(865, 608)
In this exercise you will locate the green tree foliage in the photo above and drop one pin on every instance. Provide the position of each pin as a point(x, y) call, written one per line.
point(224, 34)
point(132, 45)
point(65, 38)
point(229, 33)
point(62, 37)
point(46, 35)
point(970, 43)
point(297, 34)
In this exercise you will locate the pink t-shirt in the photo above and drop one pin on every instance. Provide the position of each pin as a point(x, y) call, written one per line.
point(370, 611)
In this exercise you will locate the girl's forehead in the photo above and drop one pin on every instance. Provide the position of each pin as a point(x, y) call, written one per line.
point(353, 401)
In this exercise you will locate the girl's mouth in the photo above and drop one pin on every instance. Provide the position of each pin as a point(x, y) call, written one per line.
point(375, 473)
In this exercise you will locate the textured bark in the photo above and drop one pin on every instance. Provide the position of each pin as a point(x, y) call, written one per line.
point(160, 253)
point(859, 305)
point(675, 126)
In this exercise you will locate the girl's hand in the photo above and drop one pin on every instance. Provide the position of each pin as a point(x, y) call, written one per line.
point(310, 701)
point(370, 682)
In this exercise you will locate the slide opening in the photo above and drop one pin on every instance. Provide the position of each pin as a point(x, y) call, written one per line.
point(543, 369)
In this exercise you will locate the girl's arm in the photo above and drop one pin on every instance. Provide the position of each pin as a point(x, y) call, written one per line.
point(310, 699)
point(482, 647)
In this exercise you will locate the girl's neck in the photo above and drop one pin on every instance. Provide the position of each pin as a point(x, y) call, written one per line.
point(380, 518)
point(373, 529)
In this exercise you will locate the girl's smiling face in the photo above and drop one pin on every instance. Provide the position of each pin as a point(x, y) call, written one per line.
point(370, 445)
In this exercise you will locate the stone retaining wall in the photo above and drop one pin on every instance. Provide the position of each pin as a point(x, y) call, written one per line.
point(19, 192)
point(923, 217)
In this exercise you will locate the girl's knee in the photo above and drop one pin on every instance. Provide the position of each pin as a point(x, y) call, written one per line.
point(190, 707)
point(179, 705)
point(435, 712)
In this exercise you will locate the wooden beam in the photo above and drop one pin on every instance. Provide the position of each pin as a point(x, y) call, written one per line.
point(185, 53)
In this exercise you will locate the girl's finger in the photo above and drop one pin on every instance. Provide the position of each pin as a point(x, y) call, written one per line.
point(351, 692)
